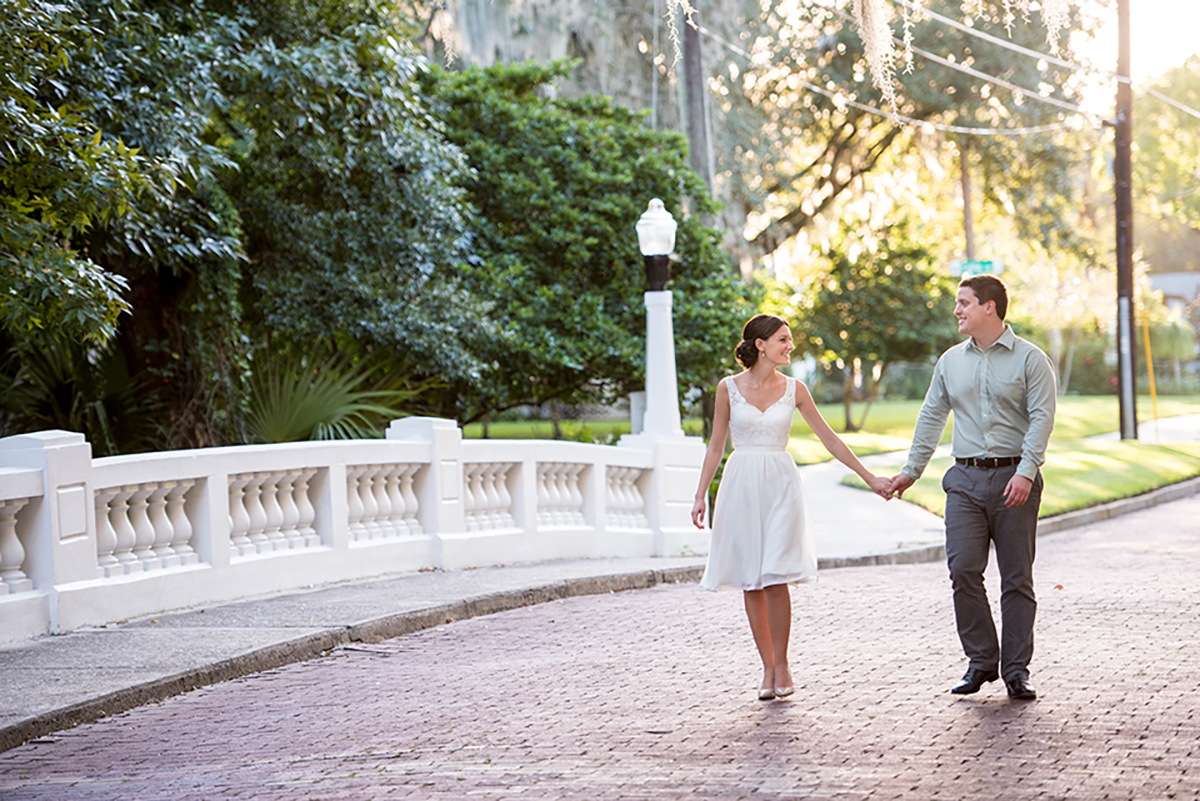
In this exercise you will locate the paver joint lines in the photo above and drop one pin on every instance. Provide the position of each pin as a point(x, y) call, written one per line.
point(649, 694)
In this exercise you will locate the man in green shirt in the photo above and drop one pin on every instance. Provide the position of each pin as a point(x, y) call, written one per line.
point(1001, 389)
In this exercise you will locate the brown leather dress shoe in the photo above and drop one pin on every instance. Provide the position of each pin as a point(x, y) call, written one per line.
point(973, 680)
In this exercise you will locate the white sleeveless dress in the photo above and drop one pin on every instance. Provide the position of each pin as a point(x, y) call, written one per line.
point(760, 530)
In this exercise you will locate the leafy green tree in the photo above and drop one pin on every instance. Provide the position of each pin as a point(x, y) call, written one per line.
point(347, 188)
point(293, 190)
point(558, 185)
point(1166, 175)
point(60, 175)
point(878, 301)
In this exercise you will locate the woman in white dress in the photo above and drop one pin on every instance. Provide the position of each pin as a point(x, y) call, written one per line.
point(761, 540)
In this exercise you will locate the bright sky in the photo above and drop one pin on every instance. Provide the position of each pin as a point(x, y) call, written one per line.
point(1162, 34)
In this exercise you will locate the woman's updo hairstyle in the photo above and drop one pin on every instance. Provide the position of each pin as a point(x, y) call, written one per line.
point(760, 326)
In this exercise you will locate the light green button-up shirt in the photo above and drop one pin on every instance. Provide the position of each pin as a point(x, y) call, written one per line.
point(1003, 400)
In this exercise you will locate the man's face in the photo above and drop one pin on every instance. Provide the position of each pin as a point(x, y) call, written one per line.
point(971, 316)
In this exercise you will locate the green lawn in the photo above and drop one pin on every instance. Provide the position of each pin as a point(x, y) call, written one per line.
point(890, 425)
point(1077, 474)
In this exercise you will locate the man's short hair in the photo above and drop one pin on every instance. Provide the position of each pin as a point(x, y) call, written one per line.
point(988, 287)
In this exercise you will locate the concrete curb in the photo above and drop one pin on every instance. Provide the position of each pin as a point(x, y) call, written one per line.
point(388, 626)
point(320, 643)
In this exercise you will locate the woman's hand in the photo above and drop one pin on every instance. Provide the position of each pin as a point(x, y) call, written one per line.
point(698, 512)
point(881, 486)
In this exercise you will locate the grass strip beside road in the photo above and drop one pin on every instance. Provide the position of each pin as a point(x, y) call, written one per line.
point(1077, 474)
point(890, 424)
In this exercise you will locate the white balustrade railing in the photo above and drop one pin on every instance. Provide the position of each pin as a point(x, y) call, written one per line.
point(86, 541)
point(271, 511)
point(487, 501)
point(560, 500)
point(13, 578)
point(143, 527)
point(382, 502)
point(626, 503)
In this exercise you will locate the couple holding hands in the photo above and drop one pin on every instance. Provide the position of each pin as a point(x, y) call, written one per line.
point(1002, 391)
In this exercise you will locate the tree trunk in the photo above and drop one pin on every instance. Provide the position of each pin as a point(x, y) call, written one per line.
point(556, 418)
point(848, 398)
point(876, 388)
point(964, 150)
point(1067, 364)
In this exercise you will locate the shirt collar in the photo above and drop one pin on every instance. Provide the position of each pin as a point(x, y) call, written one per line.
point(1008, 339)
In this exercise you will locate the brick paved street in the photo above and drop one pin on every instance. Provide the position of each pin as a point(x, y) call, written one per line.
point(650, 694)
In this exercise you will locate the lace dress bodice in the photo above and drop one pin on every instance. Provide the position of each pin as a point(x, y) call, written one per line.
point(754, 429)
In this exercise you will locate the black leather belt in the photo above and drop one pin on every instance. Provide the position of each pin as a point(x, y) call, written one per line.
point(990, 462)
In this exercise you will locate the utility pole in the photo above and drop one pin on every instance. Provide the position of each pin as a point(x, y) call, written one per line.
point(1123, 180)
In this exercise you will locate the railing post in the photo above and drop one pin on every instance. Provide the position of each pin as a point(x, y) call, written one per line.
point(440, 490)
point(61, 548)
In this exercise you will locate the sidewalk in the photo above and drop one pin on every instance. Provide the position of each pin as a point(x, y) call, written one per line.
point(53, 683)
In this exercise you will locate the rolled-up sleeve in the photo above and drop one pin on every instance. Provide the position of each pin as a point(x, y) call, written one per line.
point(1041, 397)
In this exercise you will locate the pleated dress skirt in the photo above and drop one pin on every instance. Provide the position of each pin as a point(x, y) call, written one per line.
point(760, 530)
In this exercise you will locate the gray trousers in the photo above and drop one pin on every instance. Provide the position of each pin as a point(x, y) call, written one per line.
point(977, 518)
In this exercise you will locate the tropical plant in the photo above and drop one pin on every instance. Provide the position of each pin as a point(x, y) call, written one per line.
point(52, 383)
point(300, 398)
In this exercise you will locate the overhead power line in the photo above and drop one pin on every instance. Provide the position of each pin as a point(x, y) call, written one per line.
point(895, 117)
point(1030, 93)
point(1035, 54)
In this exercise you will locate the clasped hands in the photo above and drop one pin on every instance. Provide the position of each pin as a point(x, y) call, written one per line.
point(1016, 492)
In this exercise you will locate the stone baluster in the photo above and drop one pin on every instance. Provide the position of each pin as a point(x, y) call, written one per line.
point(304, 505)
point(106, 537)
point(366, 491)
point(289, 514)
point(474, 501)
point(577, 495)
point(118, 511)
point(493, 475)
point(12, 553)
point(258, 515)
point(269, 496)
point(354, 503)
point(181, 526)
point(164, 532)
point(383, 503)
point(143, 531)
point(411, 504)
point(504, 501)
point(545, 516)
point(395, 500)
point(239, 516)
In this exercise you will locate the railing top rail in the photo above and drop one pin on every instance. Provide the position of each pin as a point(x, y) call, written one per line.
point(550, 450)
point(21, 482)
point(174, 465)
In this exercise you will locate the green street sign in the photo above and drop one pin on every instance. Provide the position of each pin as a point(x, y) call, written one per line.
point(969, 267)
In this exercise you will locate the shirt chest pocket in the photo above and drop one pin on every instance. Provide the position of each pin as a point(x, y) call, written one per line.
point(1008, 385)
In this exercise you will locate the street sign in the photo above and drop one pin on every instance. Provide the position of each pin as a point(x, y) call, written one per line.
point(966, 268)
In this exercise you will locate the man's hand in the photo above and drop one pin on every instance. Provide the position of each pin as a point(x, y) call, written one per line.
point(1017, 491)
point(900, 482)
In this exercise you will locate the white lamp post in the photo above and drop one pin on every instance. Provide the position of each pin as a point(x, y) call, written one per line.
point(656, 238)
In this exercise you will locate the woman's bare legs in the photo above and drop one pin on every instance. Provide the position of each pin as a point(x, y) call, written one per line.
point(770, 614)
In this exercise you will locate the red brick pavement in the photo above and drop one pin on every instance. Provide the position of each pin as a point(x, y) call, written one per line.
point(651, 695)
